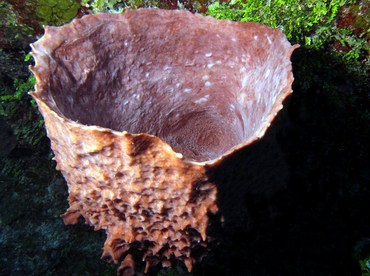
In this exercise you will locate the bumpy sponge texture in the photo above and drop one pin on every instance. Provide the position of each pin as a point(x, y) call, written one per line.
point(140, 106)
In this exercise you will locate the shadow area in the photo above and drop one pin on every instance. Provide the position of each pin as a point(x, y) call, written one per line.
point(295, 202)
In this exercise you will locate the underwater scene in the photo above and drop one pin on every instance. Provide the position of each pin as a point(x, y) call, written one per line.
point(179, 137)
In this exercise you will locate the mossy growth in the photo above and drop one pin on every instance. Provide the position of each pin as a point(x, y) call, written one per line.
point(13, 33)
point(310, 23)
point(20, 110)
point(295, 18)
point(56, 12)
point(103, 5)
point(120, 5)
point(117, 6)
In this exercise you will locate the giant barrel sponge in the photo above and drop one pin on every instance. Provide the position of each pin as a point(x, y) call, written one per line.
point(139, 106)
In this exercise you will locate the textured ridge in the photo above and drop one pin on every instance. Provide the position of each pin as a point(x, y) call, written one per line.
point(135, 188)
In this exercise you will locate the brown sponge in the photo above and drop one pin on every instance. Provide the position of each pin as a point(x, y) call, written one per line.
point(139, 106)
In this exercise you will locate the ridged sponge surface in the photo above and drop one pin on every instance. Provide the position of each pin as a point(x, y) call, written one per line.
point(139, 106)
